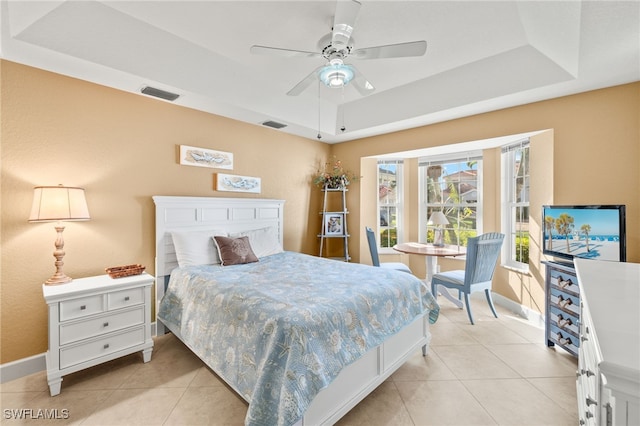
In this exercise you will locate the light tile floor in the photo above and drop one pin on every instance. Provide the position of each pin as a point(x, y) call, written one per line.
point(497, 372)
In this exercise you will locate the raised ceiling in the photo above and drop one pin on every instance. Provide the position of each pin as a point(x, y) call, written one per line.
point(481, 55)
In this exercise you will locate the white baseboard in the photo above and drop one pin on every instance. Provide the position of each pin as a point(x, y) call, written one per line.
point(22, 367)
point(33, 364)
point(534, 318)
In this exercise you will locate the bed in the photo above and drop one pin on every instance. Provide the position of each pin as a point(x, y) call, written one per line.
point(311, 337)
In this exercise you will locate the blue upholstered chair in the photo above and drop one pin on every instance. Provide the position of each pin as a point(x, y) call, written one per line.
point(482, 257)
point(373, 248)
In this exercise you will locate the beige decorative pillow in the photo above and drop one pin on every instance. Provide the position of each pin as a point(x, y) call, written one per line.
point(234, 251)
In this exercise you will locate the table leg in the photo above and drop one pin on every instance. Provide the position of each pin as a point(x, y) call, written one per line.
point(432, 268)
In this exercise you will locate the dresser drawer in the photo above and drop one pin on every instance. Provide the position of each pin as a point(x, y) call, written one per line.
point(124, 298)
point(565, 281)
point(564, 321)
point(564, 339)
point(586, 410)
point(81, 307)
point(565, 302)
point(96, 348)
point(93, 327)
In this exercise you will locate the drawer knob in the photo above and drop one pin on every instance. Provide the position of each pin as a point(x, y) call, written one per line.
point(591, 402)
point(106, 346)
point(83, 307)
point(583, 338)
point(588, 415)
point(589, 373)
point(126, 299)
point(106, 324)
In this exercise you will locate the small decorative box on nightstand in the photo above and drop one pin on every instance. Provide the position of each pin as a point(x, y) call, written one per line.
point(94, 320)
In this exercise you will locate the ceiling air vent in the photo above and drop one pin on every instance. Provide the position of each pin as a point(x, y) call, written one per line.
point(152, 91)
point(274, 124)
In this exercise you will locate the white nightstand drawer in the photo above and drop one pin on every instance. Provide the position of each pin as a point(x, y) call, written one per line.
point(100, 347)
point(124, 298)
point(81, 307)
point(73, 332)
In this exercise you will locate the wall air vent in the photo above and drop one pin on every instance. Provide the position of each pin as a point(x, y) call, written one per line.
point(152, 91)
point(274, 124)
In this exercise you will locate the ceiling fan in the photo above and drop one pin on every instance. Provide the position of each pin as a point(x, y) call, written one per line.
point(336, 46)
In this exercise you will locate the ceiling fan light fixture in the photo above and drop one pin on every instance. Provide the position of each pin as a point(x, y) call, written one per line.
point(336, 75)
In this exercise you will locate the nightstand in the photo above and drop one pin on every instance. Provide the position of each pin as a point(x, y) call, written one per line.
point(94, 320)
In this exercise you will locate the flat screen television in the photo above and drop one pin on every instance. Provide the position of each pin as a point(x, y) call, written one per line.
point(591, 232)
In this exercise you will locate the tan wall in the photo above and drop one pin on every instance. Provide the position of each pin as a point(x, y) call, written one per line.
point(121, 148)
point(589, 155)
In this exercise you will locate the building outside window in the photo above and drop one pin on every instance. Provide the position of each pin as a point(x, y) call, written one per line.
point(389, 202)
point(515, 197)
point(451, 184)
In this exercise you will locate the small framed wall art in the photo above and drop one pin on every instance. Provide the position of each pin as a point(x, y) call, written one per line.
point(235, 183)
point(201, 157)
point(333, 224)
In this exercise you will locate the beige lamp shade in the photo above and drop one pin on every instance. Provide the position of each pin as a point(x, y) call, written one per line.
point(58, 203)
point(438, 218)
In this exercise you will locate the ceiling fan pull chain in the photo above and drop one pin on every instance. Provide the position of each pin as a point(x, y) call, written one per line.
point(342, 128)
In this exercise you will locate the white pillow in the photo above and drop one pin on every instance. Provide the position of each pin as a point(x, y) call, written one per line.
point(263, 241)
point(196, 247)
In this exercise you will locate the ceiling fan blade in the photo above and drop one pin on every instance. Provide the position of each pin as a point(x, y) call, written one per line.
point(361, 84)
point(286, 53)
point(306, 82)
point(400, 50)
point(343, 22)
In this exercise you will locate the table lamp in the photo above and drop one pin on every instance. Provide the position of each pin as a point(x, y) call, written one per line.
point(58, 204)
point(438, 219)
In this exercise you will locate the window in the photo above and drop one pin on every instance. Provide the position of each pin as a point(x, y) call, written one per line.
point(451, 184)
point(389, 201)
point(515, 202)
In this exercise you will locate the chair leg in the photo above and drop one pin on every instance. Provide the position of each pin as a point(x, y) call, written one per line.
point(487, 293)
point(468, 305)
point(424, 350)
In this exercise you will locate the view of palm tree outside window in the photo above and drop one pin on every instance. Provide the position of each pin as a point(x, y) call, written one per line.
point(452, 187)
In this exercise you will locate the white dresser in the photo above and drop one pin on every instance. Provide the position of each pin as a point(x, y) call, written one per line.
point(94, 320)
point(608, 384)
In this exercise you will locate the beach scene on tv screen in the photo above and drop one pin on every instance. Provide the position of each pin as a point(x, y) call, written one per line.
point(587, 233)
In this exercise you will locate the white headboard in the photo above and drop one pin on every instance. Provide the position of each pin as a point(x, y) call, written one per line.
point(194, 213)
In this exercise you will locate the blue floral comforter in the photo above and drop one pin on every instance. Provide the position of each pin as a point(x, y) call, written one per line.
point(280, 330)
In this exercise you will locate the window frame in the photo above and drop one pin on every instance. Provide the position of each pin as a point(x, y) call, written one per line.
point(459, 157)
point(510, 205)
point(399, 204)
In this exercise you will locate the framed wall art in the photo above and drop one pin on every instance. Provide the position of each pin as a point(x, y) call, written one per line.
point(235, 183)
point(201, 157)
point(334, 224)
